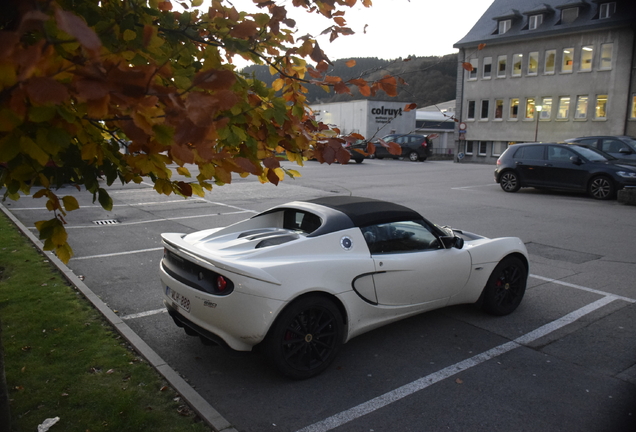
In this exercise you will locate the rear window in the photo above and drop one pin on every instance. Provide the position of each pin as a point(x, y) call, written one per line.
point(299, 220)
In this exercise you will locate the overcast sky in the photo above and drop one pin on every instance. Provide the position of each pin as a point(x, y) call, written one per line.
point(395, 28)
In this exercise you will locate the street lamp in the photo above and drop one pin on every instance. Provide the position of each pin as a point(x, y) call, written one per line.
point(537, 110)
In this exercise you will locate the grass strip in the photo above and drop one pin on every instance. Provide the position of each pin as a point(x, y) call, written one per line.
point(64, 360)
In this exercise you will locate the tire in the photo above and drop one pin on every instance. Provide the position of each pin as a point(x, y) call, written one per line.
point(305, 338)
point(509, 181)
point(601, 188)
point(359, 160)
point(505, 287)
point(414, 157)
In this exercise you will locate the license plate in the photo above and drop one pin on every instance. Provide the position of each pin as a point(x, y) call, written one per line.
point(178, 299)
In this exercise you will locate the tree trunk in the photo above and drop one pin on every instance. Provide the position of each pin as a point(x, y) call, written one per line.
point(5, 412)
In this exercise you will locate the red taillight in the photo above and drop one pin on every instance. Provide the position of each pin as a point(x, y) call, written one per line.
point(221, 283)
point(424, 144)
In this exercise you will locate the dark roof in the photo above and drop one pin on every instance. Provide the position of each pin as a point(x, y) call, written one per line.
point(485, 29)
point(367, 211)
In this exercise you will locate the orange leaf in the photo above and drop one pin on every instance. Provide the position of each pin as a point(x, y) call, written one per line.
point(247, 165)
point(389, 85)
point(332, 79)
point(410, 107)
point(341, 88)
point(164, 6)
point(185, 188)
point(467, 66)
point(340, 21)
point(244, 30)
point(481, 46)
point(271, 163)
point(395, 149)
point(351, 63)
point(43, 90)
point(318, 55)
point(214, 79)
point(76, 27)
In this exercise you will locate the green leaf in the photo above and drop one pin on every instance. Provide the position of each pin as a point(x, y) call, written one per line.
point(39, 114)
point(29, 147)
point(104, 199)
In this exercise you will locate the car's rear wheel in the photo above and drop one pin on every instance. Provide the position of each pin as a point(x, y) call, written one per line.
point(509, 181)
point(414, 157)
point(359, 160)
point(601, 188)
point(505, 287)
point(305, 338)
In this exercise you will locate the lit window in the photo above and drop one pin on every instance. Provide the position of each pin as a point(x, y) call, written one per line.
point(581, 107)
point(471, 110)
point(535, 21)
point(607, 10)
point(606, 56)
point(568, 60)
point(516, 64)
point(633, 115)
point(600, 112)
point(501, 66)
point(550, 62)
point(546, 111)
point(484, 110)
point(533, 63)
point(472, 75)
point(514, 108)
point(568, 15)
point(499, 103)
point(504, 26)
point(487, 67)
point(564, 107)
point(587, 54)
point(530, 108)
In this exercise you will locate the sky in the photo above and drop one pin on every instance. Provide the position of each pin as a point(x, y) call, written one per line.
point(395, 28)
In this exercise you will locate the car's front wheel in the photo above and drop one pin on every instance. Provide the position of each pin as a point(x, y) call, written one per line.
point(505, 287)
point(601, 188)
point(509, 181)
point(305, 338)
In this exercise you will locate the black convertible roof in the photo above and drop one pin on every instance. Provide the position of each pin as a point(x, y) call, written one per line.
point(366, 211)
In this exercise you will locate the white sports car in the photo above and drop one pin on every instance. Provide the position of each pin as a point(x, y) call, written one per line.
point(305, 277)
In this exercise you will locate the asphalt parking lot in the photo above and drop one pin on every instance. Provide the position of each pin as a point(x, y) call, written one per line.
point(564, 361)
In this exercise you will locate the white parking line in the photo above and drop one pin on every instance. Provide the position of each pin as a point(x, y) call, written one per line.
point(144, 314)
point(582, 288)
point(475, 186)
point(118, 205)
point(157, 220)
point(116, 254)
point(422, 383)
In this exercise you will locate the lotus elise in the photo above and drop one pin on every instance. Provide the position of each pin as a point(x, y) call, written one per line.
point(301, 279)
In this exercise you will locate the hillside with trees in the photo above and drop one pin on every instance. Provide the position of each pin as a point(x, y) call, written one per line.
point(426, 80)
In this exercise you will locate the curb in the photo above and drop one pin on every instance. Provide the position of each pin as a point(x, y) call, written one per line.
point(199, 405)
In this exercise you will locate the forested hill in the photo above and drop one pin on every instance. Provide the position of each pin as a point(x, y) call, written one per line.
point(430, 80)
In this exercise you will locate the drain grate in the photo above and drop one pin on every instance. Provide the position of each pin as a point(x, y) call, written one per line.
point(106, 222)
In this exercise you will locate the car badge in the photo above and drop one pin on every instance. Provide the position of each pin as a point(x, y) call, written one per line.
point(346, 243)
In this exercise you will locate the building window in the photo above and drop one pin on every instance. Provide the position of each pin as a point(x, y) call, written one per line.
point(550, 62)
point(568, 60)
point(514, 108)
point(633, 115)
point(483, 148)
point(498, 147)
point(568, 15)
point(469, 147)
point(600, 111)
point(587, 54)
point(501, 66)
point(471, 110)
point(535, 21)
point(581, 107)
point(607, 10)
point(606, 56)
point(499, 103)
point(546, 111)
point(504, 26)
point(533, 63)
point(484, 110)
point(487, 67)
point(472, 74)
point(529, 108)
point(516, 64)
point(564, 108)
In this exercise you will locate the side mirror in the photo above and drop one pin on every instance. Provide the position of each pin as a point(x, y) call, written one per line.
point(576, 160)
point(452, 241)
point(625, 150)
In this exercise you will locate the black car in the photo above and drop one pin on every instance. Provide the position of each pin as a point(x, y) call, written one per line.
point(414, 147)
point(356, 156)
point(621, 147)
point(564, 166)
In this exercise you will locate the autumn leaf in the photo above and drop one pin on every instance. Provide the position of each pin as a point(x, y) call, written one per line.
point(410, 107)
point(76, 27)
point(350, 63)
point(468, 66)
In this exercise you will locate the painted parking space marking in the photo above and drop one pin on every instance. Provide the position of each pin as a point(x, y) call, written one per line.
point(158, 220)
point(144, 314)
point(582, 288)
point(474, 186)
point(116, 254)
point(118, 205)
point(422, 383)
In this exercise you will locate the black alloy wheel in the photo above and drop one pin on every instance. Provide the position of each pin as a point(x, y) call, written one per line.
point(505, 287)
point(601, 188)
point(305, 338)
point(509, 181)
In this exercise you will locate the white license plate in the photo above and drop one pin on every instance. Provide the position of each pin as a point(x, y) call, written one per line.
point(178, 299)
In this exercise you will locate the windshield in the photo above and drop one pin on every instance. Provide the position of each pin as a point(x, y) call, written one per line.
point(631, 141)
point(592, 154)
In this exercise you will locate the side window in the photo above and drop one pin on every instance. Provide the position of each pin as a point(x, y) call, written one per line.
point(396, 237)
point(530, 152)
point(612, 146)
point(590, 142)
point(298, 220)
point(559, 154)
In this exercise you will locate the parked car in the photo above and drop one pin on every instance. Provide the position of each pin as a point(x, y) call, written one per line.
point(621, 147)
point(572, 166)
point(301, 279)
point(356, 156)
point(414, 147)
